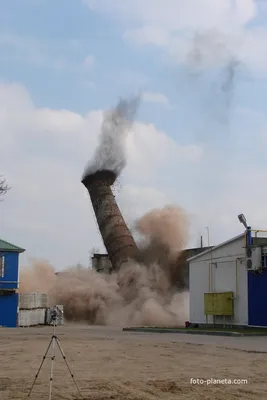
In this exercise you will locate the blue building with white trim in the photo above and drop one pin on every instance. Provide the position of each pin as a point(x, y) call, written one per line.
point(9, 283)
point(228, 283)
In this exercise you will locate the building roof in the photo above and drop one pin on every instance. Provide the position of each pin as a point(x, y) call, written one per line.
point(216, 247)
point(196, 250)
point(5, 246)
point(100, 255)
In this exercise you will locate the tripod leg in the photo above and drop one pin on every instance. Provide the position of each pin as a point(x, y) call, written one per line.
point(52, 366)
point(64, 358)
point(36, 376)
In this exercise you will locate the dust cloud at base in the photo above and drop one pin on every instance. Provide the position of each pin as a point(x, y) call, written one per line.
point(144, 292)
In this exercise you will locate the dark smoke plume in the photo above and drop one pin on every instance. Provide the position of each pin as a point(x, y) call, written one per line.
point(213, 57)
point(227, 82)
point(110, 153)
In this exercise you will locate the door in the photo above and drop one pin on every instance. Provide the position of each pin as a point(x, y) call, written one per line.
point(257, 298)
point(9, 310)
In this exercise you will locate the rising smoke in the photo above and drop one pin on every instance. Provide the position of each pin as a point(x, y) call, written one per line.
point(141, 293)
point(213, 71)
point(145, 291)
point(110, 153)
point(213, 56)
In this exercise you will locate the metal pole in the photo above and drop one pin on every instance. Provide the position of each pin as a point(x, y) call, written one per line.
point(208, 234)
point(211, 289)
point(64, 358)
point(36, 376)
point(52, 358)
point(210, 266)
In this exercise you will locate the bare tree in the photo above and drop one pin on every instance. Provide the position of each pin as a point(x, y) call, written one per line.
point(4, 188)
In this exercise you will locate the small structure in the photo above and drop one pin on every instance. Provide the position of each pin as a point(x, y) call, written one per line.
point(228, 283)
point(9, 283)
point(101, 263)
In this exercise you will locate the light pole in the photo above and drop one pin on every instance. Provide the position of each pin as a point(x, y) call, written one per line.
point(242, 220)
point(208, 234)
point(210, 266)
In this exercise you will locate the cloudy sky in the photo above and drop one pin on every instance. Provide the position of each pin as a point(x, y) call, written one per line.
point(200, 137)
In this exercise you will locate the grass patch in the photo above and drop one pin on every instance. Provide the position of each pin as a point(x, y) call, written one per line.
point(241, 331)
point(220, 329)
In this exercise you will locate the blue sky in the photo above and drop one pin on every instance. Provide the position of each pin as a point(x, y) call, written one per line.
point(201, 131)
point(63, 34)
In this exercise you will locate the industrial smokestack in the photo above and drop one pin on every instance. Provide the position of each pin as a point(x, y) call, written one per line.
point(117, 238)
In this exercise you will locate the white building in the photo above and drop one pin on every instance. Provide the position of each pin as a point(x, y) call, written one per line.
point(228, 284)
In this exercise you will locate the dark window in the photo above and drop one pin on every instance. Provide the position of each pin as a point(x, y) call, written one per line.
point(2, 266)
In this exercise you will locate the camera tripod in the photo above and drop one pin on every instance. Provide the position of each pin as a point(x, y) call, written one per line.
point(54, 341)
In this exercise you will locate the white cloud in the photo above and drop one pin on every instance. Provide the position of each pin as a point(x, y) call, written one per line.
point(135, 201)
point(178, 14)
point(213, 32)
point(253, 49)
point(88, 62)
point(147, 35)
point(48, 211)
point(153, 97)
point(151, 152)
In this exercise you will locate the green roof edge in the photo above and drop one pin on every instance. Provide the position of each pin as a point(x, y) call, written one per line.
point(10, 247)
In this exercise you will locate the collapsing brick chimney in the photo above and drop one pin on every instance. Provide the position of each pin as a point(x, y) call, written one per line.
point(117, 238)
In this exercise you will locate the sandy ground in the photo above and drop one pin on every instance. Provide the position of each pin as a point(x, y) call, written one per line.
point(110, 364)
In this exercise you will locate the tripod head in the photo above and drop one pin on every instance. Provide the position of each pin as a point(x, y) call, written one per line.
point(55, 314)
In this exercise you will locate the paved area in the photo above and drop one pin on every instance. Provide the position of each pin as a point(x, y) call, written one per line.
point(111, 364)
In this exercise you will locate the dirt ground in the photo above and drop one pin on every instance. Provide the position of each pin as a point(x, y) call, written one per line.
point(110, 364)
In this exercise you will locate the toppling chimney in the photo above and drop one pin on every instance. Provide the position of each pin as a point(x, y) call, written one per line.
point(117, 238)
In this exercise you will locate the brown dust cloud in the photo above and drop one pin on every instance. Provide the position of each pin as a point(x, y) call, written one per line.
point(149, 291)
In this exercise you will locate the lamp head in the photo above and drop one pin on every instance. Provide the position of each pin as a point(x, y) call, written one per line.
point(242, 220)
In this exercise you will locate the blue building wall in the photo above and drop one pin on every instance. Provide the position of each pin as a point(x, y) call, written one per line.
point(10, 279)
point(9, 310)
point(257, 298)
point(9, 299)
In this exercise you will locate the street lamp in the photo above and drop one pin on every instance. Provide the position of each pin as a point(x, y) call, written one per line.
point(243, 220)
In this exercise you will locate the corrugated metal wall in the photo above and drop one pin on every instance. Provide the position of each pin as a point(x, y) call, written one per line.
point(221, 277)
point(9, 310)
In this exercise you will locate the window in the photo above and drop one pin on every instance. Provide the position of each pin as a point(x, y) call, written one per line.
point(2, 266)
